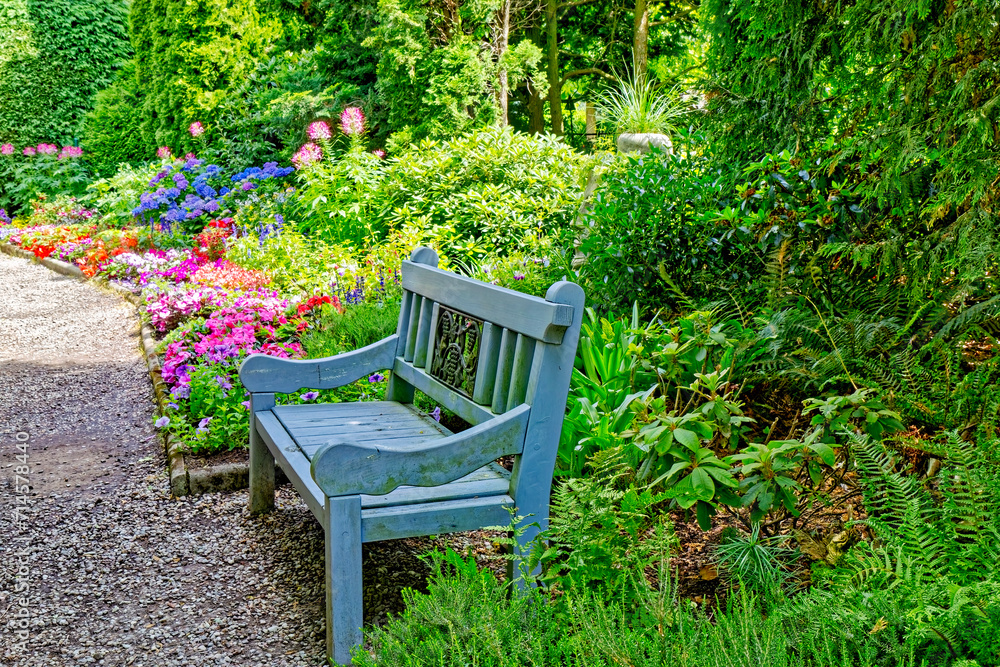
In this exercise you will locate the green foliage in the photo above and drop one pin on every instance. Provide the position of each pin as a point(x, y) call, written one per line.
point(599, 531)
point(638, 104)
point(56, 56)
point(111, 131)
point(218, 419)
point(647, 233)
point(908, 89)
point(26, 178)
point(754, 560)
point(437, 69)
point(359, 325)
point(188, 56)
point(340, 196)
point(956, 534)
point(264, 115)
point(116, 197)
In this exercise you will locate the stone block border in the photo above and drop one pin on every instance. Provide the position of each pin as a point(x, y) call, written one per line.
point(183, 482)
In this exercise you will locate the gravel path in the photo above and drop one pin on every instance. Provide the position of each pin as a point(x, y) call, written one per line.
point(112, 570)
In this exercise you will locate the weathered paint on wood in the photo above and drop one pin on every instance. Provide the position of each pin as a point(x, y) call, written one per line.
point(343, 577)
point(376, 468)
point(505, 362)
point(540, 319)
point(260, 373)
point(452, 516)
point(486, 367)
point(388, 471)
point(490, 480)
point(291, 459)
point(440, 392)
point(261, 459)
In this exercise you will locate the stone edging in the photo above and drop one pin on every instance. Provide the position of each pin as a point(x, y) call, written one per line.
point(223, 477)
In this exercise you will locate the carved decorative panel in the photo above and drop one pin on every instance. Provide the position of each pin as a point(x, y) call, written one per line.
point(456, 350)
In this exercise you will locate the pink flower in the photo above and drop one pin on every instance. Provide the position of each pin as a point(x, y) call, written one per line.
point(70, 151)
point(309, 154)
point(379, 153)
point(7, 149)
point(319, 130)
point(196, 129)
point(352, 121)
point(164, 152)
point(29, 150)
point(47, 149)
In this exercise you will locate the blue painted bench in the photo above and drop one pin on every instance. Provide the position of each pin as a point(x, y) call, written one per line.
point(382, 470)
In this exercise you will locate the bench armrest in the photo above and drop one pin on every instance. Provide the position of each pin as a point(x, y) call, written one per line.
point(261, 373)
point(346, 469)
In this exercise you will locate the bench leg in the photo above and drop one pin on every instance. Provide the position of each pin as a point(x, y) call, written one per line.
point(261, 460)
point(344, 613)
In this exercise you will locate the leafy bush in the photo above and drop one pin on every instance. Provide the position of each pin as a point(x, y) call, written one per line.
point(111, 131)
point(494, 190)
point(40, 171)
point(263, 117)
point(56, 56)
point(647, 233)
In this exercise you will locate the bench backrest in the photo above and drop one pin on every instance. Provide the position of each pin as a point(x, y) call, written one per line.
point(478, 349)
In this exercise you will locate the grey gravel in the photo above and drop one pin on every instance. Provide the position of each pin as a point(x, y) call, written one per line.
point(119, 572)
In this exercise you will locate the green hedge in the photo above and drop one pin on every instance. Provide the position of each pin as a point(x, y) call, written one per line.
point(111, 131)
point(54, 57)
point(189, 55)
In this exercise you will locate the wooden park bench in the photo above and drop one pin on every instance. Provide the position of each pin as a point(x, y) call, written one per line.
point(370, 471)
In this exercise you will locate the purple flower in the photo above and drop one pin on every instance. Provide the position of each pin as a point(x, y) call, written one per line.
point(310, 396)
point(162, 422)
point(204, 422)
point(180, 391)
point(245, 404)
point(173, 406)
point(518, 275)
point(377, 377)
point(221, 381)
point(436, 414)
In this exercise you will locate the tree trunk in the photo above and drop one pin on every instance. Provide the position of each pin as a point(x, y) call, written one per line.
point(552, 43)
point(536, 106)
point(640, 39)
point(503, 39)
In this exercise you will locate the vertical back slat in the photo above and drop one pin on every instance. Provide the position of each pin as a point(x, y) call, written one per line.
point(423, 332)
point(404, 320)
point(524, 352)
point(486, 367)
point(432, 338)
point(411, 332)
point(505, 362)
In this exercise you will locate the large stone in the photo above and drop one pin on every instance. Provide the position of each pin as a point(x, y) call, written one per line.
point(640, 143)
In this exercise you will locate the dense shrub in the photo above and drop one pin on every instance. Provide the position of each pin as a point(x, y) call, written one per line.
point(648, 232)
point(55, 56)
point(188, 55)
point(494, 190)
point(111, 131)
point(265, 116)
